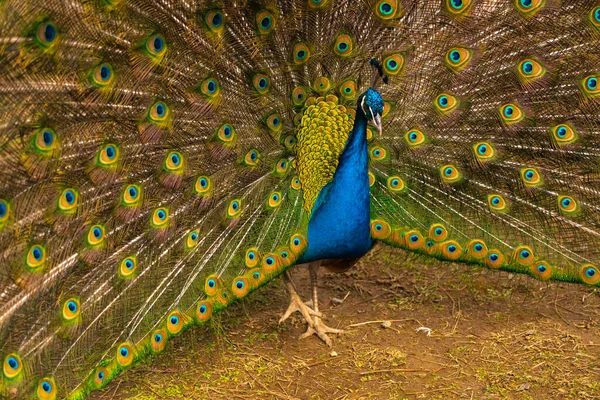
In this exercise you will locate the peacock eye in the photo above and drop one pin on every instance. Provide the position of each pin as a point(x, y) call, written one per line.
point(156, 45)
point(46, 34)
point(265, 22)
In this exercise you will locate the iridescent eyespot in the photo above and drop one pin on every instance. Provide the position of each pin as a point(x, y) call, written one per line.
point(484, 151)
point(108, 156)
point(392, 64)
point(450, 174)
point(226, 134)
point(395, 184)
point(530, 70)
point(590, 85)
point(252, 257)
point(68, 200)
point(265, 22)
point(438, 232)
point(494, 259)
point(71, 309)
point(234, 208)
point(274, 122)
point(564, 134)
point(567, 205)
point(317, 3)
point(281, 167)
point(175, 323)
point(102, 75)
point(414, 137)
point(210, 88)
point(156, 45)
point(289, 142)
point(4, 212)
point(413, 239)
point(203, 311)
point(458, 7)
point(590, 274)
point(372, 179)
point(252, 158)
point(343, 45)
point(271, 263)
point(378, 153)
point(348, 90)
point(158, 112)
point(36, 257)
point(457, 58)
point(95, 236)
point(299, 96)
point(158, 340)
point(173, 162)
point(388, 9)
point(214, 20)
point(477, 249)
point(451, 250)
point(298, 243)
point(132, 195)
point(45, 140)
point(497, 202)
point(46, 34)
point(531, 177)
point(211, 286)
point(203, 185)
point(446, 103)
point(261, 83)
point(127, 267)
point(511, 113)
point(322, 85)
point(240, 286)
point(274, 199)
point(100, 376)
point(380, 229)
point(124, 354)
point(46, 389)
point(300, 53)
point(160, 217)
point(529, 7)
point(541, 269)
point(595, 17)
point(523, 255)
point(12, 365)
point(296, 185)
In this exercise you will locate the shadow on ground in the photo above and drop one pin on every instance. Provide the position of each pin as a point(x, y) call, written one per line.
point(493, 335)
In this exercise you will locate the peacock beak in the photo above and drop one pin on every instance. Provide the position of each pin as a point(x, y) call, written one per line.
point(377, 123)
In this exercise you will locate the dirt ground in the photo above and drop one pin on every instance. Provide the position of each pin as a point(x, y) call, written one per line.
point(490, 335)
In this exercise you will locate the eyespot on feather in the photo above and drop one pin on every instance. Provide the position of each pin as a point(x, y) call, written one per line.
point(343, 45)
point(46, 389)
point(458, 7)
point(298, 243)
point(212, 285)
point(564, 134)
point(261, 83)
point(271, 263)
point(156, 46)
point(414, 138)
point(108, 155)
point(132, 195)
point(438, 232)
point(71, 309)
point(174, 162)
point(300, 53)
point(215, 21)
point(125, 354)
point(192, 239)
point(68, 200)
point(413, 239)
point(458, 58)
point(158, 112)
point(252, 158)
point(299, 96)
point(175, 323)
point(46, 34)
point(265, 22)
point(511, 113)
point(451, 249)
point(393, 64)
point(450, 174)
point(396, 184)
point(494, 259)
point(158, 340)
point(203, 311)
point(160, 218)
point(541, 270)
point(45, 141)
point(590, 274)
point(388, 9)
point(531, 177)
point(12, 366)
point(523, 255)
point(252, 257)
point(36, 257)
point(530, 70)
point(380, 229)
point(529, 8)
point(477, 249)
point(446, 103)
point(210, 88)
point(95, 236)
point(240, 286)
point(497, 203)
point(590, 86)
point(372, 179)
point(127, 267)
point(234, 209)
point(102, 75)
point(484, 151)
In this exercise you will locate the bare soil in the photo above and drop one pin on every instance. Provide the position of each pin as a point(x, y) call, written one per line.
point(454, 332)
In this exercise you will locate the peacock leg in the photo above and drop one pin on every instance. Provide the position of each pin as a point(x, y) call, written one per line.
point(296, 303)
point(318, 328)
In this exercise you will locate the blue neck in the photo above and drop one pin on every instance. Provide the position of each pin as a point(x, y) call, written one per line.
point(339, 226)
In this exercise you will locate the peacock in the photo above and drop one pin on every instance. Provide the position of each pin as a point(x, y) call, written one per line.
point(160, 159)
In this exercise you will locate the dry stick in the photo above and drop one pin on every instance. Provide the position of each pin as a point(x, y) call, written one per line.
point(320, 362)
point(393, 370)
point(379, 322)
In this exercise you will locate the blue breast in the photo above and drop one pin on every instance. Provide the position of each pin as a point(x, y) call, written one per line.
point(339, 226)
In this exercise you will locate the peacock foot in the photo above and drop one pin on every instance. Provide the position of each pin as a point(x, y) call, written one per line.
point(296, 304)
point(321, 330)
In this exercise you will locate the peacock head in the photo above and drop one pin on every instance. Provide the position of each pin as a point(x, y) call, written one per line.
point(371, 105)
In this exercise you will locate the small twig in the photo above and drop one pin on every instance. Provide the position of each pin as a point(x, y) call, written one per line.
point(393, 370)
point(376, 322)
